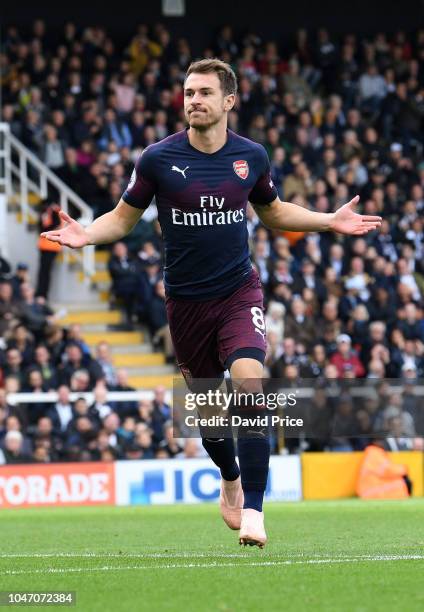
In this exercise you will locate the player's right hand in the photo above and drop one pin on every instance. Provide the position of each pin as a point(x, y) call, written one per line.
point(72, 235)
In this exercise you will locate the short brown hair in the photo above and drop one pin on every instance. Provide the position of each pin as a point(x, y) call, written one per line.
point(224, 72)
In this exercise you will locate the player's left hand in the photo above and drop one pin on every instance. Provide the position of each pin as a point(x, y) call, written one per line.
point(346, 221)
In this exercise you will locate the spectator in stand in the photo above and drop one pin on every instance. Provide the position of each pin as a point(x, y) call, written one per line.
point(10, 311)
point(13, 365)
point(126, 431)
point(44, 437)
point(100, 406)
point(15, 423)
point(274, 320)
point(80, 382)
point(33, 383)
point(145, 412)
point(52, 149)
point(89, 126)
point(81, 439)
point(374, 335)
point(76, 361)
point(318, 361)
point(308, 277)
point(125, 275)
point(71, 173)
point(170, 444)
point(150, 276)
point(43, 364)
point(125, 91)
point(12, 452)
point(32, 131)
point(126, 407)
point(104, 358)
point(412, 324)
point(290, 356)
point(20, 277)
point(61, 413)
point(55, 343)
point(5, 409)
point(158, 321)
point(298, 182)
point(161, 407)
point(36, 313)
point(49, 220)
point(345, 357)
point(114, 130)
point(22, 340)
point(372, 89)
point(111, 425)
point(81, 408)
point(143, 439)
point(74, 335)
point(298, 326)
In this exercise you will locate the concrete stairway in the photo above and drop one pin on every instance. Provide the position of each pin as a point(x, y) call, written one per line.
point(132, 350)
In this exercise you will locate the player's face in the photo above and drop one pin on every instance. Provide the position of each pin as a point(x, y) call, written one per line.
point(204, 102)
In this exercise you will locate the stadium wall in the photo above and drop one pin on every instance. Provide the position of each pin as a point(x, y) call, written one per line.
point(196, 481)
point(133, 483)
point(57, 484)
point(292, 478)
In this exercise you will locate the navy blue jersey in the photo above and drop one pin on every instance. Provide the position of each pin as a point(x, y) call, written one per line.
point(201, 200)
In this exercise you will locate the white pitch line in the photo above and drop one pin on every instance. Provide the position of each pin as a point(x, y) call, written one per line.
point(111, 568)
point(92, 555)
point(197, 555)
point(123, 555)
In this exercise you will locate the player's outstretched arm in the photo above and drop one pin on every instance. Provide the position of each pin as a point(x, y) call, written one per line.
point(288, 216)
point(110, 227)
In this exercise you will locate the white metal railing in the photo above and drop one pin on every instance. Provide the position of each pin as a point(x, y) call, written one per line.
point(50, 397)
point(16, 161)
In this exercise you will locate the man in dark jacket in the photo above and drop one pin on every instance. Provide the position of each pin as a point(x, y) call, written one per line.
point(125, 275)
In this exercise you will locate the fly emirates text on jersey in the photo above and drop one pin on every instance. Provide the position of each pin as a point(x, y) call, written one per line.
point(206, 216)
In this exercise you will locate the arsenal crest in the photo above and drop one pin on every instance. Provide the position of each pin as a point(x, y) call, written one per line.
point(241, 168)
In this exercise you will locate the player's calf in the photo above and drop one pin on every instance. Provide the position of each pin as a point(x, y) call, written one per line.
point(231, 502)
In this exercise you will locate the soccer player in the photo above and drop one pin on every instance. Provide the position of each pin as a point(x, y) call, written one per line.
point(203, 178)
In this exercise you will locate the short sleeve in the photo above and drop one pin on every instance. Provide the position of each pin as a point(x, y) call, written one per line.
point(141, 188)
point(264, 191)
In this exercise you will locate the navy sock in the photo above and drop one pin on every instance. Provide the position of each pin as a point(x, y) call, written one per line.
point(253, 499)
point(222, 453)
point(253, 456)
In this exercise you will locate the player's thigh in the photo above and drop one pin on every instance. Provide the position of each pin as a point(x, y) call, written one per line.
point(193, 331)
point(241, 330)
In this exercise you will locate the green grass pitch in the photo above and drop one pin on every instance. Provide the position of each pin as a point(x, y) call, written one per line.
point(348, 556)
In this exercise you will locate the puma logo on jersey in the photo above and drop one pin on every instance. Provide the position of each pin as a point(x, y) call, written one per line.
point(176, 169)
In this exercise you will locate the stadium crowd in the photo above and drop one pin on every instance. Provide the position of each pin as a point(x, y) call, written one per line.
point(338, 116)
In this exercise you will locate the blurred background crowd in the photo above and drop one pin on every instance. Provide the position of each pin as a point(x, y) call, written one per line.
point(338, 116)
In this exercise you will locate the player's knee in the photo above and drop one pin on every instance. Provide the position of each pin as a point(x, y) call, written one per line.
point(246, 364)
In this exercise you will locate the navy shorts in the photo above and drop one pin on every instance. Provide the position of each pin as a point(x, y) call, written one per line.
point(207, 335)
